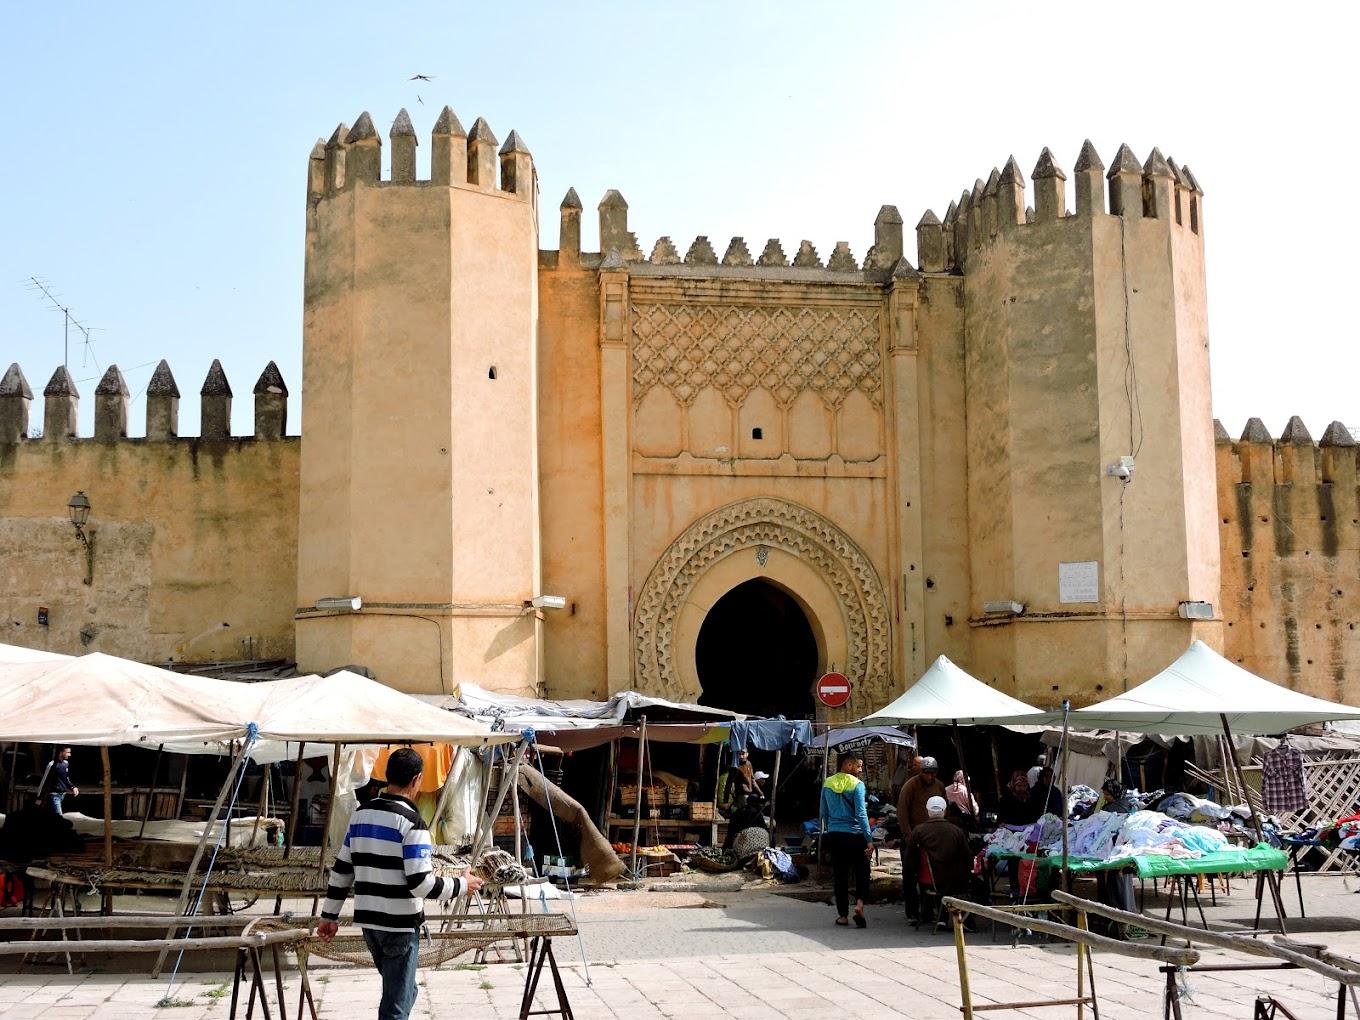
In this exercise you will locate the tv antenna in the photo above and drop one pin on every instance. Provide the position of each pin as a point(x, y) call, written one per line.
point(43, 287)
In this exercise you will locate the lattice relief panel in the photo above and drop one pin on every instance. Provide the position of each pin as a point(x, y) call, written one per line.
point(786, 349)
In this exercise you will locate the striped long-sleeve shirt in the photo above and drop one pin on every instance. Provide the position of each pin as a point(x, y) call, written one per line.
point(386, 860)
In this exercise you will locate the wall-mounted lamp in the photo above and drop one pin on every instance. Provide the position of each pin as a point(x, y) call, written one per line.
point(78, 506)
point(343, 603)
point(1005, 608)
point(548, 602)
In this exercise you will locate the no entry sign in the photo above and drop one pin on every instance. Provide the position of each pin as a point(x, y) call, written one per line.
point(833, 690)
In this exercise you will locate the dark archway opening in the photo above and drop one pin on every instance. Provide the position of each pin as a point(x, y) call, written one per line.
point(756, 653)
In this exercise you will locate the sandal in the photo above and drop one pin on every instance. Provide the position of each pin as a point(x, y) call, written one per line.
point(860, 921)
point(842, 922)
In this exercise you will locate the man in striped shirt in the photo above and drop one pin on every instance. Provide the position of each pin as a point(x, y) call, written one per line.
point(386, 859)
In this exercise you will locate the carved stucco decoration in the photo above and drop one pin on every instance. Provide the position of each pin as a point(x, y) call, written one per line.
point(787, 349)
point(772, 523)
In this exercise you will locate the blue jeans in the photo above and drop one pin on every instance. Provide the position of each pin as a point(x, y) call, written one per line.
point(394, 954)
point(54, 800)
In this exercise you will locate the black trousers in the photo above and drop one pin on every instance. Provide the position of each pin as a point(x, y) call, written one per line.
point(847, 858)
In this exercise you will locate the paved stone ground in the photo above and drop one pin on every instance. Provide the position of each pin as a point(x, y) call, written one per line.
point(752, 955)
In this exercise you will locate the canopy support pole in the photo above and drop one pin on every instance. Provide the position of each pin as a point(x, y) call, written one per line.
point(963, 766)
point(182, 902)
point(774, 788)
point(637, 816)
point(151, 789)
point(326, 822)
point(108, 805)
point(826, 770)
point(1118, 758)
point(484, 830)
point(1270, 877)
point(264, 804)
point(1066, 874)
point(293, 798)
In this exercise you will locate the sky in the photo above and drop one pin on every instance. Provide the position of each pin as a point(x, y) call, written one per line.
point(155, 164)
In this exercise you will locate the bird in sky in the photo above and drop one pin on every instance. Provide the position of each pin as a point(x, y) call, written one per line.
point(421, 77)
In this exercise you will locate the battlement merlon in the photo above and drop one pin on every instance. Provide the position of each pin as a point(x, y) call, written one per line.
point(1156, 189)
point(1295, 459)
point(113, 402)
point(352, 157)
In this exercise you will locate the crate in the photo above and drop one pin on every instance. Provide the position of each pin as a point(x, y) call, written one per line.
point(677, 794)
point(628, 794)
point(702, 811)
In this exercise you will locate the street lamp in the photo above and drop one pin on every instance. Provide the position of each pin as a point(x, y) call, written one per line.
point(79, 508)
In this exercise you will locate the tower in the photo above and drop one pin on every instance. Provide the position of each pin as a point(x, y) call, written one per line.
point(419, 478)
point(1091, 496)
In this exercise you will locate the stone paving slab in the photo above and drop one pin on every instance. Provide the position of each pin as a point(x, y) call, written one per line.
point(918, 982)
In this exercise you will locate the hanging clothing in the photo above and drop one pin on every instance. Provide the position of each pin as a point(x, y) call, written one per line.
point(1283, 785)
point(437, 758)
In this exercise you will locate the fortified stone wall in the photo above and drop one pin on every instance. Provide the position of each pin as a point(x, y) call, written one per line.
point(194, 539)
point(1289, 513)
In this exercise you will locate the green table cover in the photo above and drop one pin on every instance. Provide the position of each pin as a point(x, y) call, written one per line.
point(1258, 858)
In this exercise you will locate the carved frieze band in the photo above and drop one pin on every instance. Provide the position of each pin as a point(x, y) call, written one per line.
point(772, 523)
point(735, 348)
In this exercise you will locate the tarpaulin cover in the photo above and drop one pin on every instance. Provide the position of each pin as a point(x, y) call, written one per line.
point(1190, 696)
point(946, 694)
point(18, 653)
point(853, 737)
point(770, 734)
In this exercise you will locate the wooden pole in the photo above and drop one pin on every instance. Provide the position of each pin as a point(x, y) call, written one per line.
point(13, 768)
point(826, 771)
point(774, 788)
point(151, 789)
point(1270, 877)
point(326, 824)
point(264, 804)
point(108, 805)
point(637, 817)
point(182, 902)
point(1066, 874)
point(291, 831)
point(1118, 758)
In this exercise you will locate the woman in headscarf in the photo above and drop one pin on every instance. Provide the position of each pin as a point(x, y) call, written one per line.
point(1017, 807)
point(959, 794)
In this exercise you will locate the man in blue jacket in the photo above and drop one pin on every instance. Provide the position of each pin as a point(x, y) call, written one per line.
point(846, 836)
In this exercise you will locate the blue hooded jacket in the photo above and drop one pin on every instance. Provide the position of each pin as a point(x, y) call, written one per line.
point(843, 807)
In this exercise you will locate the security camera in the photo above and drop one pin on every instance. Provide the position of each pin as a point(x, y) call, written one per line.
point(1122, 469)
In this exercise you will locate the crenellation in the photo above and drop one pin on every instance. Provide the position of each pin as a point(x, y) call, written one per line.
point(806, 257)
point(1126, 185)
point(842, 260)
point(162, 404)
point(951, 216)
point(1158, 187)
point(481, 156)
point(1338, 449)
point(1090, 170)
point(614, 233)
point(1298, 455)
point(15, 400)
point(701, 253)
point(1050, 188)
point(112, 400)
point(977, 216)
point(569, 234)
point(1010, 196)
point(991, 214)
point(961, 223)
point(517, 167)
point(271, 404)
point(737, 253)
point(363, 153)
point(930, 243)
point(336, 156)
point(448, 150)
point(215, 397)
point(1257, 450)
point(1180, 187)
point(316, 173)
point(61, 407)
point(404, 142)
point(664, 253)
point(773, 255)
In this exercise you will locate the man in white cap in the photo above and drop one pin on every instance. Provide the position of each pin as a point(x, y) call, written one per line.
point(911, 812)
point(945, 846)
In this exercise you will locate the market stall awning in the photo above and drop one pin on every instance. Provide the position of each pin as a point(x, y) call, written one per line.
point(18, 653)
point(852, 738)
point(622, 707)
point(1192, 695)
point(945, 694)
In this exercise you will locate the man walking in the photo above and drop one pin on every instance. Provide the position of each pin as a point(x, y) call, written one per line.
point(386, 858)
point(57, 780)
point(846, 836)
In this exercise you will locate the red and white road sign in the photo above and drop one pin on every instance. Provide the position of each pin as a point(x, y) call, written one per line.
point(833, 690)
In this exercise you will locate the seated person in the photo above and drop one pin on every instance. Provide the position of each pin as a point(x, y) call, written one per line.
point(945, 846)
point(1017, 805)
point(1049, 794)
point(1113, 797)
point(748, 829)
point(35, 832)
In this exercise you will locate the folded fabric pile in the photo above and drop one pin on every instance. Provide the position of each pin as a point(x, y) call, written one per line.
point(1081, 801)
point(1186, 807)
point(497, 867)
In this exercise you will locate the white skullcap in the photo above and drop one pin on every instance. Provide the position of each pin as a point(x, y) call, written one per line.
point(935, 807)
point(929, 763)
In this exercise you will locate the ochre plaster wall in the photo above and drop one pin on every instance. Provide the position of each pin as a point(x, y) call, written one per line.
point(188, 535)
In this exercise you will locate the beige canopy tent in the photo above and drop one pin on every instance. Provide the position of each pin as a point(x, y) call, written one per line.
point(946, 695)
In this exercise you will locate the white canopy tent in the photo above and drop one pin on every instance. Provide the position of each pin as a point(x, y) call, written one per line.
point(946, 695)
point(1200, 693)
point(18, 653)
